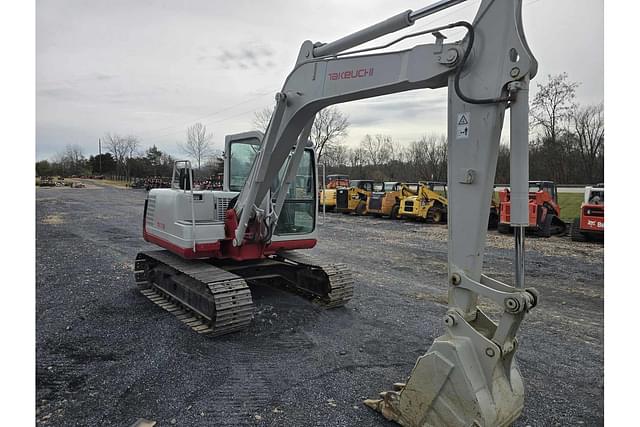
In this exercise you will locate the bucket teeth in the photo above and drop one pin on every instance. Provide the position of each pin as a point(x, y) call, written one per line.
point(384, 406)
point(399, 386)
point(445, 390)
point(374, 404)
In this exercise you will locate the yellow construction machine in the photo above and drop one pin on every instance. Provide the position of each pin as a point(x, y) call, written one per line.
point(387, 202)
point(327, 195)
point(429, 204)
point(354, 198)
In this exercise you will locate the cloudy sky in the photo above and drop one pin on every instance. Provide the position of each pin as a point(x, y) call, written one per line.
point(151, 68)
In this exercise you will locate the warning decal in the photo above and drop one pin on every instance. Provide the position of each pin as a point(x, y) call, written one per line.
point(462, 125)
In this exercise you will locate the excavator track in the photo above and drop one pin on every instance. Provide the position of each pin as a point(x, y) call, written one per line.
point(338, 288)
point(210, 300)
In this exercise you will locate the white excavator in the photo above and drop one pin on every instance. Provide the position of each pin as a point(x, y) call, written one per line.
point(216, 242)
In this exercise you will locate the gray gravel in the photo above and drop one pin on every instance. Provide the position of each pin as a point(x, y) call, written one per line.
point(106, 356)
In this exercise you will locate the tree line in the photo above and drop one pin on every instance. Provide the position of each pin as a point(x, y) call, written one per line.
point(566, 146)
point(125, 159)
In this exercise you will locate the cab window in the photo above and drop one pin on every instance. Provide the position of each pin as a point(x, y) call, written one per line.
point(298, 211)
point(243, 154)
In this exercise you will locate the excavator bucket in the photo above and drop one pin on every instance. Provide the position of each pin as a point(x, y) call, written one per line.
point(447, 388)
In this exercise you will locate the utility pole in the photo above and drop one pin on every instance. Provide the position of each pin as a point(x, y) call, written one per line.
point(100, 155)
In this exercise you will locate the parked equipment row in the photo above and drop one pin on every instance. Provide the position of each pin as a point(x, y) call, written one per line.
point(427, 201)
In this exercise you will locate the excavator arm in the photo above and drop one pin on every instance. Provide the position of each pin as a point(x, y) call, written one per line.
point(316, 83)
point(469, 375)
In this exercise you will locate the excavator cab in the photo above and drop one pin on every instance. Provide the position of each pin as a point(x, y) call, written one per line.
point(298, 210)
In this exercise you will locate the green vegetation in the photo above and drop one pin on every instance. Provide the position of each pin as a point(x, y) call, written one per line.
point(569, 205)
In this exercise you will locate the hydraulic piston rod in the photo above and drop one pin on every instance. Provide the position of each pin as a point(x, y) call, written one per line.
point(390, 25)
point(519, 171)
point(519, 256)
point(433, 8)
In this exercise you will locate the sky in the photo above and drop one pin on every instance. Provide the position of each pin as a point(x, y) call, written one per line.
point(151, 68)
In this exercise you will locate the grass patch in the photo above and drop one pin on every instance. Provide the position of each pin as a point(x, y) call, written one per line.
point(570, 205)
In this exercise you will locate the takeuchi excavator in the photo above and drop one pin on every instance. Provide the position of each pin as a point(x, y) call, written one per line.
point(218, 242)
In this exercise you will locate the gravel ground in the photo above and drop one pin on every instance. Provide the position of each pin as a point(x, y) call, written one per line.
point(106, 356)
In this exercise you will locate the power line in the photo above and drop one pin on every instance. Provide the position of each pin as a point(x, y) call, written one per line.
point(221, 120)
point(152, 132)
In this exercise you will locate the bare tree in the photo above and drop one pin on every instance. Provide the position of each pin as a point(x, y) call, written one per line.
point(198, 145)
point(397, 152)
point(551, 109)
point(355, 157)
point(587, 124)
point(71, 161)
point(553, 104)
point(329, 127)
point(335, 155)
point(377, 149)
point(429, 157)
point(117, 146)
point(261, 119)
point(74, 156)
point(131, 147)
point(503, 164)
